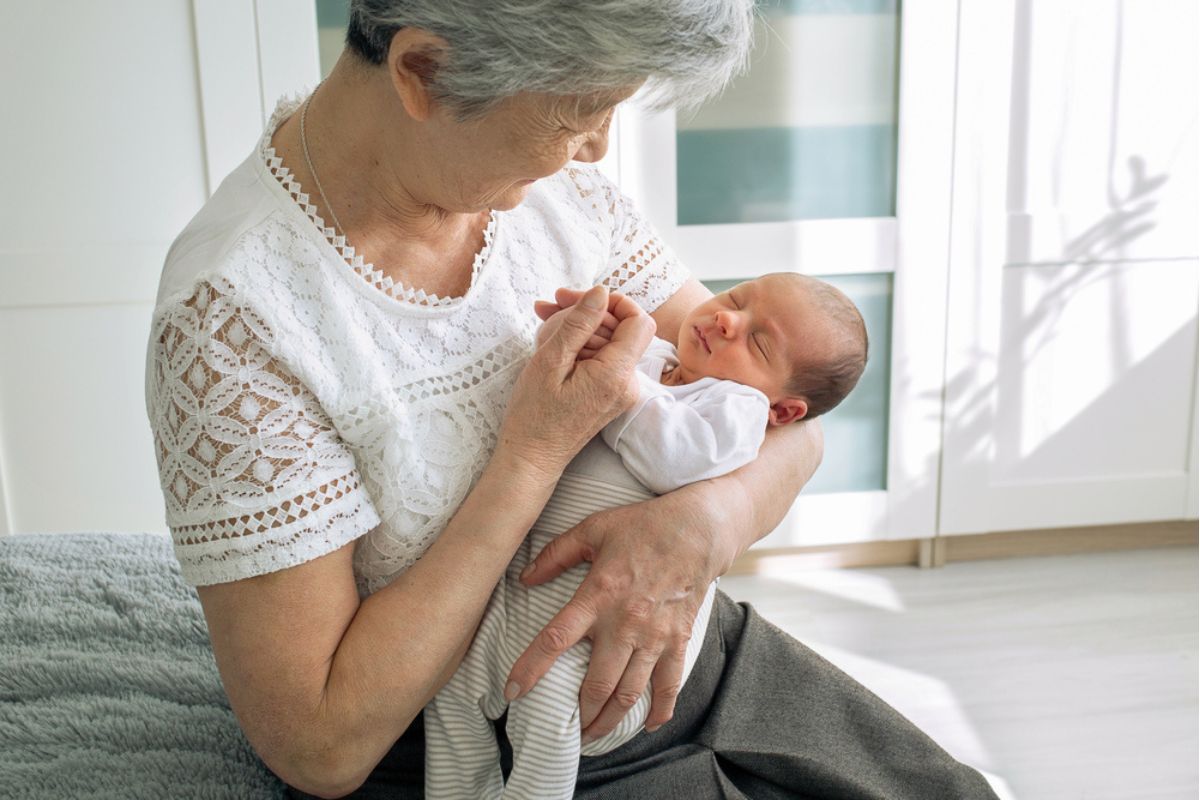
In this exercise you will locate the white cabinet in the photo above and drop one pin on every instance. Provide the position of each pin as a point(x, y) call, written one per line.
point(1071, 338)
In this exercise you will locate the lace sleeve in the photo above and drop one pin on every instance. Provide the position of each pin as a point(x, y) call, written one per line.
point(640, 264)
point(254, 476)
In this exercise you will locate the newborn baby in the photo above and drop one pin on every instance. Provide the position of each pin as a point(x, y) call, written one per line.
point(770, 351)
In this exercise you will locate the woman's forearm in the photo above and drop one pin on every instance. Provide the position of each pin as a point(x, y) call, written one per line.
point(757, 496)
point(407, 639)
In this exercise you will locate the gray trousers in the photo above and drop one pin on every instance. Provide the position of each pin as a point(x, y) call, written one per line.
point(761, 717)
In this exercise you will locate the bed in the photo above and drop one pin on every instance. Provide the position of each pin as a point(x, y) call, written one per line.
point(108, 687)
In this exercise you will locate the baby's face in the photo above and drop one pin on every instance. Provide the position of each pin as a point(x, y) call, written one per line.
point(754, 334)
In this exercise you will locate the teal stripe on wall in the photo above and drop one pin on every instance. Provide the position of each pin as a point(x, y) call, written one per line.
point(333, 14)
point(856, 432)
point(780, 174)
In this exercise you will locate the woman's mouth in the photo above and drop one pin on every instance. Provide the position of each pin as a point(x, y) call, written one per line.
point(703, 341)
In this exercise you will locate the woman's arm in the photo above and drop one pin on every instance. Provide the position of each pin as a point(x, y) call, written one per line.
point(323, 685)
point(639, 620)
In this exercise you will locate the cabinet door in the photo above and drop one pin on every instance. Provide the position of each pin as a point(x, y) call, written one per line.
point(830, 157)
point(1071, 366)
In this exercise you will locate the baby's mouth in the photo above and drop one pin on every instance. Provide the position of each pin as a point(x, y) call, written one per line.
point(703, 341)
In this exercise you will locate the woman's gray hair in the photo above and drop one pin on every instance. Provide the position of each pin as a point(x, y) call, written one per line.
point(685, 50)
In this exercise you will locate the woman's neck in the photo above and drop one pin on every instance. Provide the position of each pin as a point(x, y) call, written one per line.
point(368, 152)
point(369, 155)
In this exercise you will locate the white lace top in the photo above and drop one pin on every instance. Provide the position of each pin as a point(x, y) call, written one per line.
point(300, 400)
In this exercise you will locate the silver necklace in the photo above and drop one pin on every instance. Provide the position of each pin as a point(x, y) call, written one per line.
point(311, 170)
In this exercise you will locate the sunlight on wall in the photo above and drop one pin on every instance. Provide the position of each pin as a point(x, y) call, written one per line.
point(1093, 369)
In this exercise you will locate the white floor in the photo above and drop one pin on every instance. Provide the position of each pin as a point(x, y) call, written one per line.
point(1059, 677)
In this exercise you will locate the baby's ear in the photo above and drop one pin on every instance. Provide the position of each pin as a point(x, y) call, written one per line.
point(789, 409)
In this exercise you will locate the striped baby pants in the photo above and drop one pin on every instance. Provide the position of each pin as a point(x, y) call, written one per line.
point(462, 757)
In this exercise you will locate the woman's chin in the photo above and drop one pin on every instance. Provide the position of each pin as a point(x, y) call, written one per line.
point(510, 198)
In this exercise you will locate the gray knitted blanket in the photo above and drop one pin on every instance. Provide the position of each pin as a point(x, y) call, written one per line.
point(108, 687)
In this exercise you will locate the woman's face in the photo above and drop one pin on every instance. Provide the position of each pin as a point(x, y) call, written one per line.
point(492, 162)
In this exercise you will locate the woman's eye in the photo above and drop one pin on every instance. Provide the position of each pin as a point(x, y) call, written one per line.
point(734, 301)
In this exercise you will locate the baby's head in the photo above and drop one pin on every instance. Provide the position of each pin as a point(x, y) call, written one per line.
point(798, 340)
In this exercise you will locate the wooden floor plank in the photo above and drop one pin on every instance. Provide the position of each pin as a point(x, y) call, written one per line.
point(1060, 677)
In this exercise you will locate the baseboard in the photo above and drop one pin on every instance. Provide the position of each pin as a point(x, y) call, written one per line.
point(948, 549)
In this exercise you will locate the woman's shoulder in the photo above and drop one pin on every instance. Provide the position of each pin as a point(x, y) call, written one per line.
point(213, 240)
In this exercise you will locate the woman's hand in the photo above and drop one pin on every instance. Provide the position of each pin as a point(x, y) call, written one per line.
point(652, 563)
point(560, 400)
point(553, 314)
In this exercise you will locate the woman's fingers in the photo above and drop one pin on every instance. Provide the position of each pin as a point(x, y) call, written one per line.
point(622, 321)
point(635, 328)
point(570, 625)
point(545, 310)
point(596, 342)
point(600, 337)
point(578, 324)
point(567, 297)
point(558, 556)
point(603, 701)
point(666, 683)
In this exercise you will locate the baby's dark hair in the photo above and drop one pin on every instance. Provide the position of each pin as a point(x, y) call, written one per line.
point(825, 382)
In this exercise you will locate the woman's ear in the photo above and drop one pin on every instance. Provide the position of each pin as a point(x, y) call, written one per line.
point(413, 59)
point(789, 409)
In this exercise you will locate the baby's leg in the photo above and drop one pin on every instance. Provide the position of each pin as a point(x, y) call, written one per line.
point(543, 727)
point(462, 757)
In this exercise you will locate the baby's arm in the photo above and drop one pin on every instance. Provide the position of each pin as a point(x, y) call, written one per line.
point(668, 441)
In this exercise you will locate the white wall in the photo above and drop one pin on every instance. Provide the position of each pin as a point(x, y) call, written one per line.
point(102, 165)
point(120, 118)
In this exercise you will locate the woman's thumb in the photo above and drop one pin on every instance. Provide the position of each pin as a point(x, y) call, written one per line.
point(595, 297)
point(581, 322)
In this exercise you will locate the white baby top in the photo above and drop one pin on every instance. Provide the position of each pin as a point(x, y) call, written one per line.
point(676, 435)
point(300, 400)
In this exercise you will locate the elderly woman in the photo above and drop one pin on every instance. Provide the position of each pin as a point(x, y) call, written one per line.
point(355, 431)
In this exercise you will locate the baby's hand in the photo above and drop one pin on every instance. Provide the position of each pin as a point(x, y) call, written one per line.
point(552, 314)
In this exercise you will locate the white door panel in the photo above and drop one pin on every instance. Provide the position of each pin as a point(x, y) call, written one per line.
point(103, 163)
point(101, 127)
point(1071, 336)
point(78, 450)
